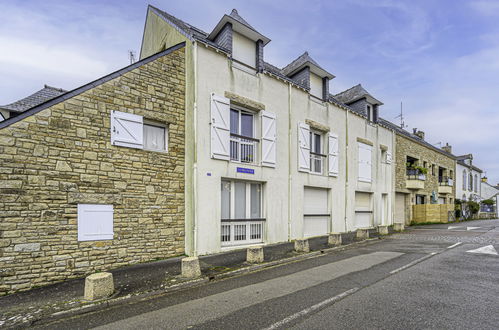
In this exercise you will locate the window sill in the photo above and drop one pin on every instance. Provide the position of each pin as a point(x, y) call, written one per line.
point(243, 67)
point(317, 100)
point(365, 181)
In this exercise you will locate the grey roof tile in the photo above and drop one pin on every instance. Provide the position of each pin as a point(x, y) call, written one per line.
point(300, 61)
point(43, 95)
point(235, 15)
point(353, 94)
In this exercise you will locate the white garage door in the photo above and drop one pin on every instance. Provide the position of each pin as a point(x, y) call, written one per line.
point(399, 208)
point(363, 210)
point(315, 211)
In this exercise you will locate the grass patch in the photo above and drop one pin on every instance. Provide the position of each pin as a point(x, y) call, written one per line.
point(426, 223)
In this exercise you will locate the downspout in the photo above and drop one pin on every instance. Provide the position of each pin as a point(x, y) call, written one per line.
point(289, 162)
point(195, 162)
point(346, 171)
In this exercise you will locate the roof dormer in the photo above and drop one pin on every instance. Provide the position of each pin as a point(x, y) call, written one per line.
point(242, 40)
point(309, 74)
point(361, 101)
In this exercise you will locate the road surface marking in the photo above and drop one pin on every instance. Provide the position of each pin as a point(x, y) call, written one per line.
point(220, 304)
point(489, 249)
point(454, 227)
point(454, 245)
point(413, 263)
point(471, 228)
point(311, 309)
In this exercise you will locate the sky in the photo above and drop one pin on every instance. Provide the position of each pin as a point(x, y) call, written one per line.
point(439, 58)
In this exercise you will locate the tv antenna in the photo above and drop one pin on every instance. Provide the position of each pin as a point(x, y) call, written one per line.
point(401, 116)
point(131, 55)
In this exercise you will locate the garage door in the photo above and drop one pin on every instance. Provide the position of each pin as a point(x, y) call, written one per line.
point(315, 212)
point(399, 208)
point(363, 210)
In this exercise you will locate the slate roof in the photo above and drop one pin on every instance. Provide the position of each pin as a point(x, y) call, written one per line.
point(414, 137)
point(235, 15)
point(300, 60)
point(43, 95)
point(353, 94)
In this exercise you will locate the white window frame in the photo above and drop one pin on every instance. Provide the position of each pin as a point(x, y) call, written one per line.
point(313, 155)
point(155, 124)
point(246, 225)
point(241, 110)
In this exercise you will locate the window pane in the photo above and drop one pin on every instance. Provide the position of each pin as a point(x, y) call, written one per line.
point(317, 146)
point(246, 124)
point(255, 201)
point(234, 121)
point(240, 200)
point(154, 137)
point(225, 200)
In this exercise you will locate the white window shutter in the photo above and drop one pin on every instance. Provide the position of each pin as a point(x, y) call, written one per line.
point(333, 154)
point(365, 165)
point(220, 127)
point(95, 222)
point(388, 157)
point(126, 130)
point(269, 152)
point(303, 147)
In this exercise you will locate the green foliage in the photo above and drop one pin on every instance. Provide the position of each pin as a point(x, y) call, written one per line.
point(474, 207)
point(458, 201)
point(488, 202)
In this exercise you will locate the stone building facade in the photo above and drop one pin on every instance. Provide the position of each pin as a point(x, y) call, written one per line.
point(58, 156)
point(414, 188)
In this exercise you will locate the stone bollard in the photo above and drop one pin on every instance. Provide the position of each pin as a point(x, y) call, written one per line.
point(301, 245)
point(398, 226)
point(254, 254)
point(362, 233)
point(190, 267)
point(383, 230)
point(98, 286)
point(334, 239)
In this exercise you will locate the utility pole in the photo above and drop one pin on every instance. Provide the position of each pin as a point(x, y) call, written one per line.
point(401, 116)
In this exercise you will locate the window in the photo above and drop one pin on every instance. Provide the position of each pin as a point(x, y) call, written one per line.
point(476, 183)
point(241, 211)
point(95, 222)
point(420, 199)
point(242, 133)
point(425, 164)
point(316, 155)
point(432, 169)
point(155, 137)
point(369, 112)
point(132, 131)
point(364, 162)
point(464, 179)
point(451, 174)
point(470, 182)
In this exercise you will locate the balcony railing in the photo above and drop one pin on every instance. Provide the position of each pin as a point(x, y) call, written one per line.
point(243, 149)
point(316, 162)
point(242, 231)
point(445, 181)
point(415, 174)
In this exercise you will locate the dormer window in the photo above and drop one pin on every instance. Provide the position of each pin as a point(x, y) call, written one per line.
point(243, 50)
point(316, 85)
point(369, 112)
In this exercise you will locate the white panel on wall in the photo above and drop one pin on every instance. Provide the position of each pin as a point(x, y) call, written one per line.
point(243, 49)
point(269, 151)
point(365, 163)
point(220, 127)
point(95, 222)
point(303, 147)
point(126, 130)
point(333, 154)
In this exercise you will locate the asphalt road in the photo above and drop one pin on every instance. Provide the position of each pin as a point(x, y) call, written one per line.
point(425, 278)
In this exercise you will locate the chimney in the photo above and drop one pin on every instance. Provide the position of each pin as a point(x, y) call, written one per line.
point(420, 134)
point(447, 148)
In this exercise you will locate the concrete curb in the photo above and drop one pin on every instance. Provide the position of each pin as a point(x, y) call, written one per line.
point(132, 298)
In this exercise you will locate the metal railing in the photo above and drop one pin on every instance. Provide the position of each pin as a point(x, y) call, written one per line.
point(316, 162)
point(445, 181)
point(415, 174)
point(242, 231)
point(243, 149)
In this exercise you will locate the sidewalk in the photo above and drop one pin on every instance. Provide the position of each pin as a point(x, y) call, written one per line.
point(142, 280)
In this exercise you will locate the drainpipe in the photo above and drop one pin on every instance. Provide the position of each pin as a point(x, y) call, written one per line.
point(289, 161)
point(346, 170)
point(195, 163)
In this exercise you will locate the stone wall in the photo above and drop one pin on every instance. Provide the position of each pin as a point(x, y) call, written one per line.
point(408, 147)
point(62, 156)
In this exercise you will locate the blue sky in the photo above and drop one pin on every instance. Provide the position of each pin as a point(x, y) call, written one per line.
point(440, 58)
